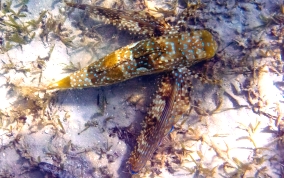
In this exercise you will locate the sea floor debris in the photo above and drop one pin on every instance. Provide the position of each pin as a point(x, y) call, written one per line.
point(233, 129)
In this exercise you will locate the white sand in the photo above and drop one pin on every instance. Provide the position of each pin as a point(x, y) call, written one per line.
point(98, 152)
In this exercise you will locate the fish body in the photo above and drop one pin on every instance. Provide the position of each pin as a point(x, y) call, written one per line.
point(153, 55)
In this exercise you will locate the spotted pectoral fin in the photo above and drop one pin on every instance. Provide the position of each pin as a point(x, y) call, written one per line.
point(182, 98)
point(169, 103)
point(136, 22)
point(150, 137)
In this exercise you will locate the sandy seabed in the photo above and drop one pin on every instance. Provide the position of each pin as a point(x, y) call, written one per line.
point(233, 129)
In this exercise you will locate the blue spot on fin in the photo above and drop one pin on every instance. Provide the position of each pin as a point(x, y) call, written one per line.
point(172, 129)
point(133, 172)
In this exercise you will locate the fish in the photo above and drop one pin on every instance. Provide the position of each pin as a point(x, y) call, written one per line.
point(165, 49)
point(146, 57)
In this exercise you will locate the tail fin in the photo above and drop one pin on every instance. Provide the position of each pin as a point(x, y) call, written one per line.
point(61, 84)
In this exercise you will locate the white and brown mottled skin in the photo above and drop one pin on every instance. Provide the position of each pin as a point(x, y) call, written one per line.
point(170, 50)
point(145, 57)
